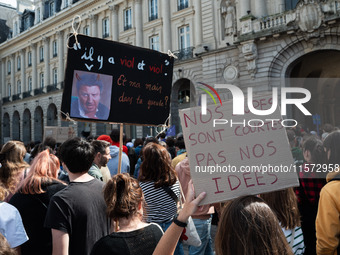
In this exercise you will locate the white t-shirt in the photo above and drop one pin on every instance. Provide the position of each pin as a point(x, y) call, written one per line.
point(11, 225)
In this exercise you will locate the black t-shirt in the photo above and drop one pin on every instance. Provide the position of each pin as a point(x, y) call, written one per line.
point(79, 210)
point(33, 210)
point(138, 242)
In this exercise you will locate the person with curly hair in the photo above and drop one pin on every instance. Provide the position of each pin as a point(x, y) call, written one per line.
point(13, 167)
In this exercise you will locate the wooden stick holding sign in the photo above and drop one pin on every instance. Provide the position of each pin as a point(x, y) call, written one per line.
point(120, 148)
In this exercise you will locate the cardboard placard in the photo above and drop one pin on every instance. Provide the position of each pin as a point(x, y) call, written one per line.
point(113, 82)
point(217, 154)
point(60, 134)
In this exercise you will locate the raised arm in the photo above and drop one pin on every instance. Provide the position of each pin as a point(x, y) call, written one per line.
point(169, 240)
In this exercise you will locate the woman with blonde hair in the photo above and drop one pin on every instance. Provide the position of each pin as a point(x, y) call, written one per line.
point(32, 199)
point(284, 205)
point(12, 165)
point(125, 202)
point(160, 186)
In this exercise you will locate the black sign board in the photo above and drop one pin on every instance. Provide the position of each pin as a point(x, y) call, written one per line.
point(108, 81)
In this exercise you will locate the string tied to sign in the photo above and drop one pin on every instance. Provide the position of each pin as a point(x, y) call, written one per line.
point(164, 126)
point(74, 33)
point(68, 118)
point(172, 54)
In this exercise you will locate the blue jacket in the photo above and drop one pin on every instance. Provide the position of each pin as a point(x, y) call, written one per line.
point(113, 162)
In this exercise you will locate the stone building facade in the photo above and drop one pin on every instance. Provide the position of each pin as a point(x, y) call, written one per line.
point(243, 42)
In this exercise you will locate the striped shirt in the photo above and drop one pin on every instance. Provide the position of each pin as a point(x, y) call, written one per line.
point(160, 206)
point(296, 241)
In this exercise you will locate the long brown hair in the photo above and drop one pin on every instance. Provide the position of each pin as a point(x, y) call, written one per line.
point(249, 227)
point(284, 205)
point(43, 170)
point(156, 166)
point(122, 195)
point(12, 163)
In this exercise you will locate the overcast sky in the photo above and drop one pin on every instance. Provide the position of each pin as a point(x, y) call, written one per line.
point(11, 2)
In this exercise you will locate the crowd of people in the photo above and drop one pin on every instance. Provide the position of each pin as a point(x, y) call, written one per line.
point(70, 199)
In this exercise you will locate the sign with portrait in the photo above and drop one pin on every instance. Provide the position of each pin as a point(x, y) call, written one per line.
point(107, 81)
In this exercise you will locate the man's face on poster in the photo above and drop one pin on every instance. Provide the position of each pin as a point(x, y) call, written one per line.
point(89, 97)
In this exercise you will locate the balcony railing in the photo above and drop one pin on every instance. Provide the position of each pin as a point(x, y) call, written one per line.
point(38, 91)
point(26, 94)
point(153, 17)
point(51, 88)
point(16, 97)
point(5, 99)
point(127, 27)
point(186, 53)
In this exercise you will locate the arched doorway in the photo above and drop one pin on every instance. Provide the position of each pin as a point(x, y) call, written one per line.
point(182, 96)
point(16, 126)
point(52, 118)
point(27, 126)
point(38, 124)
point(6, 127)
point(322, 82)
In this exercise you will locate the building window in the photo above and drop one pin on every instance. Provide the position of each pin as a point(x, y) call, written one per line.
point(184, 37)
point(38, 15)
point(127, 19)
point(19, 87)
point(9, 90)
point(290, 4)
point(55, 48)
point(153, 10)
point(41, 80)
point(19, 63)
point(29, 81)
point(154, 42)
point(15, 28)
point(51, 8)
point(86, 30)
point(55, 76)
point(66, 3)
point(41, 53)
point(106, 28)
point(27, 23)
point(9, 67)
point(182, 4)
point(29, 57)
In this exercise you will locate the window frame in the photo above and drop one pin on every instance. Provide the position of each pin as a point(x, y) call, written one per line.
point(55, 48)
point(9, 67)
point(41, 53)
point(153, 10)
point(55, 76)
point(29, 58)
point(182, 4)
point(19, 63)
point(106, 27)
point(184, 38)
point(127, 19)
point(29, 83)
point(153, 42)
point(42, 80)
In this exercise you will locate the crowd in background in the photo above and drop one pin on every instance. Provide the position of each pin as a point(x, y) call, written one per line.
point(69, 199)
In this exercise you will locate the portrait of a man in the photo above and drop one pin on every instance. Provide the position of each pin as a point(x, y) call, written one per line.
point(88, 100)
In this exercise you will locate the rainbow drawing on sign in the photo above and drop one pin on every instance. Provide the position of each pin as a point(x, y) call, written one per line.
point(204, 97)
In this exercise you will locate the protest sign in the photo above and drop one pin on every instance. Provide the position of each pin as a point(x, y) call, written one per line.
point(60, 134)
point(109, 81)
point(234, 155)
